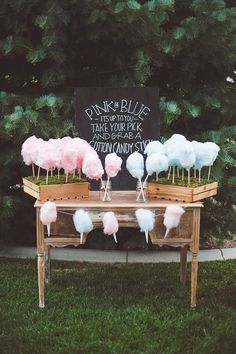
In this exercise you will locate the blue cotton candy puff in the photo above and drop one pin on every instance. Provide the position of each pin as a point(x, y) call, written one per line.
point(82, 221)
point(146, 219)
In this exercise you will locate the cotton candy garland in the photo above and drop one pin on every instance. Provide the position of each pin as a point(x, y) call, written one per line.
point(172, 217)
point(110, 224)
point(48, 214)
point(82, 222)
point(146, 221)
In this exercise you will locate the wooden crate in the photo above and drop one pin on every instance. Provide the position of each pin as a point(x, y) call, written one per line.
point(179, 193)
point(56, 191)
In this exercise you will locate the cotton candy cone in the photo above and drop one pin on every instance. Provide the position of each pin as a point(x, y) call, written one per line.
point(172, 217)
point(146, 236)
point(115, 238)
point(146, 221)
point(48, 214)
point(110, 224)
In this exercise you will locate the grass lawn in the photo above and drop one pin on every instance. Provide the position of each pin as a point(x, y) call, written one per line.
point(117, 309)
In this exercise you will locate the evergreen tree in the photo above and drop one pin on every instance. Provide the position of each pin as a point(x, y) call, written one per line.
point(187, 48)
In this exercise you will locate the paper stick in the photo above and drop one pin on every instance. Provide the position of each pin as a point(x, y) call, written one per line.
point(209, 173)
point(48, 229)
point(156, 176)
point(182, 174)
point(199, 175)
point(81, 237)
point(188, 176)
point(167, 231)
point(51, 172)
point(38, 173)
point(47, 177)
point(141, 189)
point(194, 172)
point(146, 236)
point(67, 177)
point(106, 193)
point(74, 174)
point(114, 236)
point(177, 171)
point(169, 172)
point(173, 176)
point(80, 173)
point(33, 172)
point(58, 173)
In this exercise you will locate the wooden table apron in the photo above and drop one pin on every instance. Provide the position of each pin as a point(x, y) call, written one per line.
point(124, 205)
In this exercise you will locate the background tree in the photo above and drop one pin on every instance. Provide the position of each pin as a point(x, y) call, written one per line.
point(187, 48)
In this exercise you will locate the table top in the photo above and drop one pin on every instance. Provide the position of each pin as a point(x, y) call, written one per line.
point(120, 199)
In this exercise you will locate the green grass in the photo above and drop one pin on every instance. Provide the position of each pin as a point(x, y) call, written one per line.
point(194, 182)
point(54, 179)
point(117, 309)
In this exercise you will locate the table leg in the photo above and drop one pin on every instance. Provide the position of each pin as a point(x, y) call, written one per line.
point(183, 264)
point(195, 249)
point(41, 261)
point(47, 264)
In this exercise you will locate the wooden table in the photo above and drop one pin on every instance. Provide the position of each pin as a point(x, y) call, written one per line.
point(124, 205)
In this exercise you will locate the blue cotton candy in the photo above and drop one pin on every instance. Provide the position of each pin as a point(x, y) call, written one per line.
point(82, 221)
point(146, 219)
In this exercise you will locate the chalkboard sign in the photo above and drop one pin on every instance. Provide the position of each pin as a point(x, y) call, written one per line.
point(121, 120)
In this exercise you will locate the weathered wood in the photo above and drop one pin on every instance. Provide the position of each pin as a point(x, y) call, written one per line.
point(124, 205)
point(183, 263)
point(195, 250)
point(179, 193)
point(47, 264)
point(56, 191)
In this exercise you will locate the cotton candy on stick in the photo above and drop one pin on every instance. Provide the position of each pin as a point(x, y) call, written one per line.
point(155, 163)
point(28, 152)
point(186, 157)
point(135, 166)
point(214, 150)
point(82, 148)
point(110, 224)
point(82, 222)
point(112, 167)
point(46, 157)
point(92, 167)
point(69, 157)
point(146, 221)
point(48, 214)
point(172, 217)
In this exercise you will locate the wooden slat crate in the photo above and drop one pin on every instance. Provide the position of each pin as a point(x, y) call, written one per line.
point(179, 193)
point(56, 191)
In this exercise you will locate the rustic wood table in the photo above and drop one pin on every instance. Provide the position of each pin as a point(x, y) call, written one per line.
point(124, 204)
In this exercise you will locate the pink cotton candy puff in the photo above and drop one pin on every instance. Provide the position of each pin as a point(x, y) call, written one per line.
point(28, 150)
point(57, 152)
point(112, 164)
point(46, 156)
point(82, 148)
point(172, 217)
point(110, 223)
point(69, 156)
point(92, 166)
point(48, 213)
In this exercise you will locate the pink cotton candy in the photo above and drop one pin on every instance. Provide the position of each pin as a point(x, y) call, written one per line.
point(48, 214)
point(69, 155)
point(28, 150)
point(45, 158)
point(92, 166)
point(112, 164)
point(172, 217)
point(110, 224)
point(82, 148)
